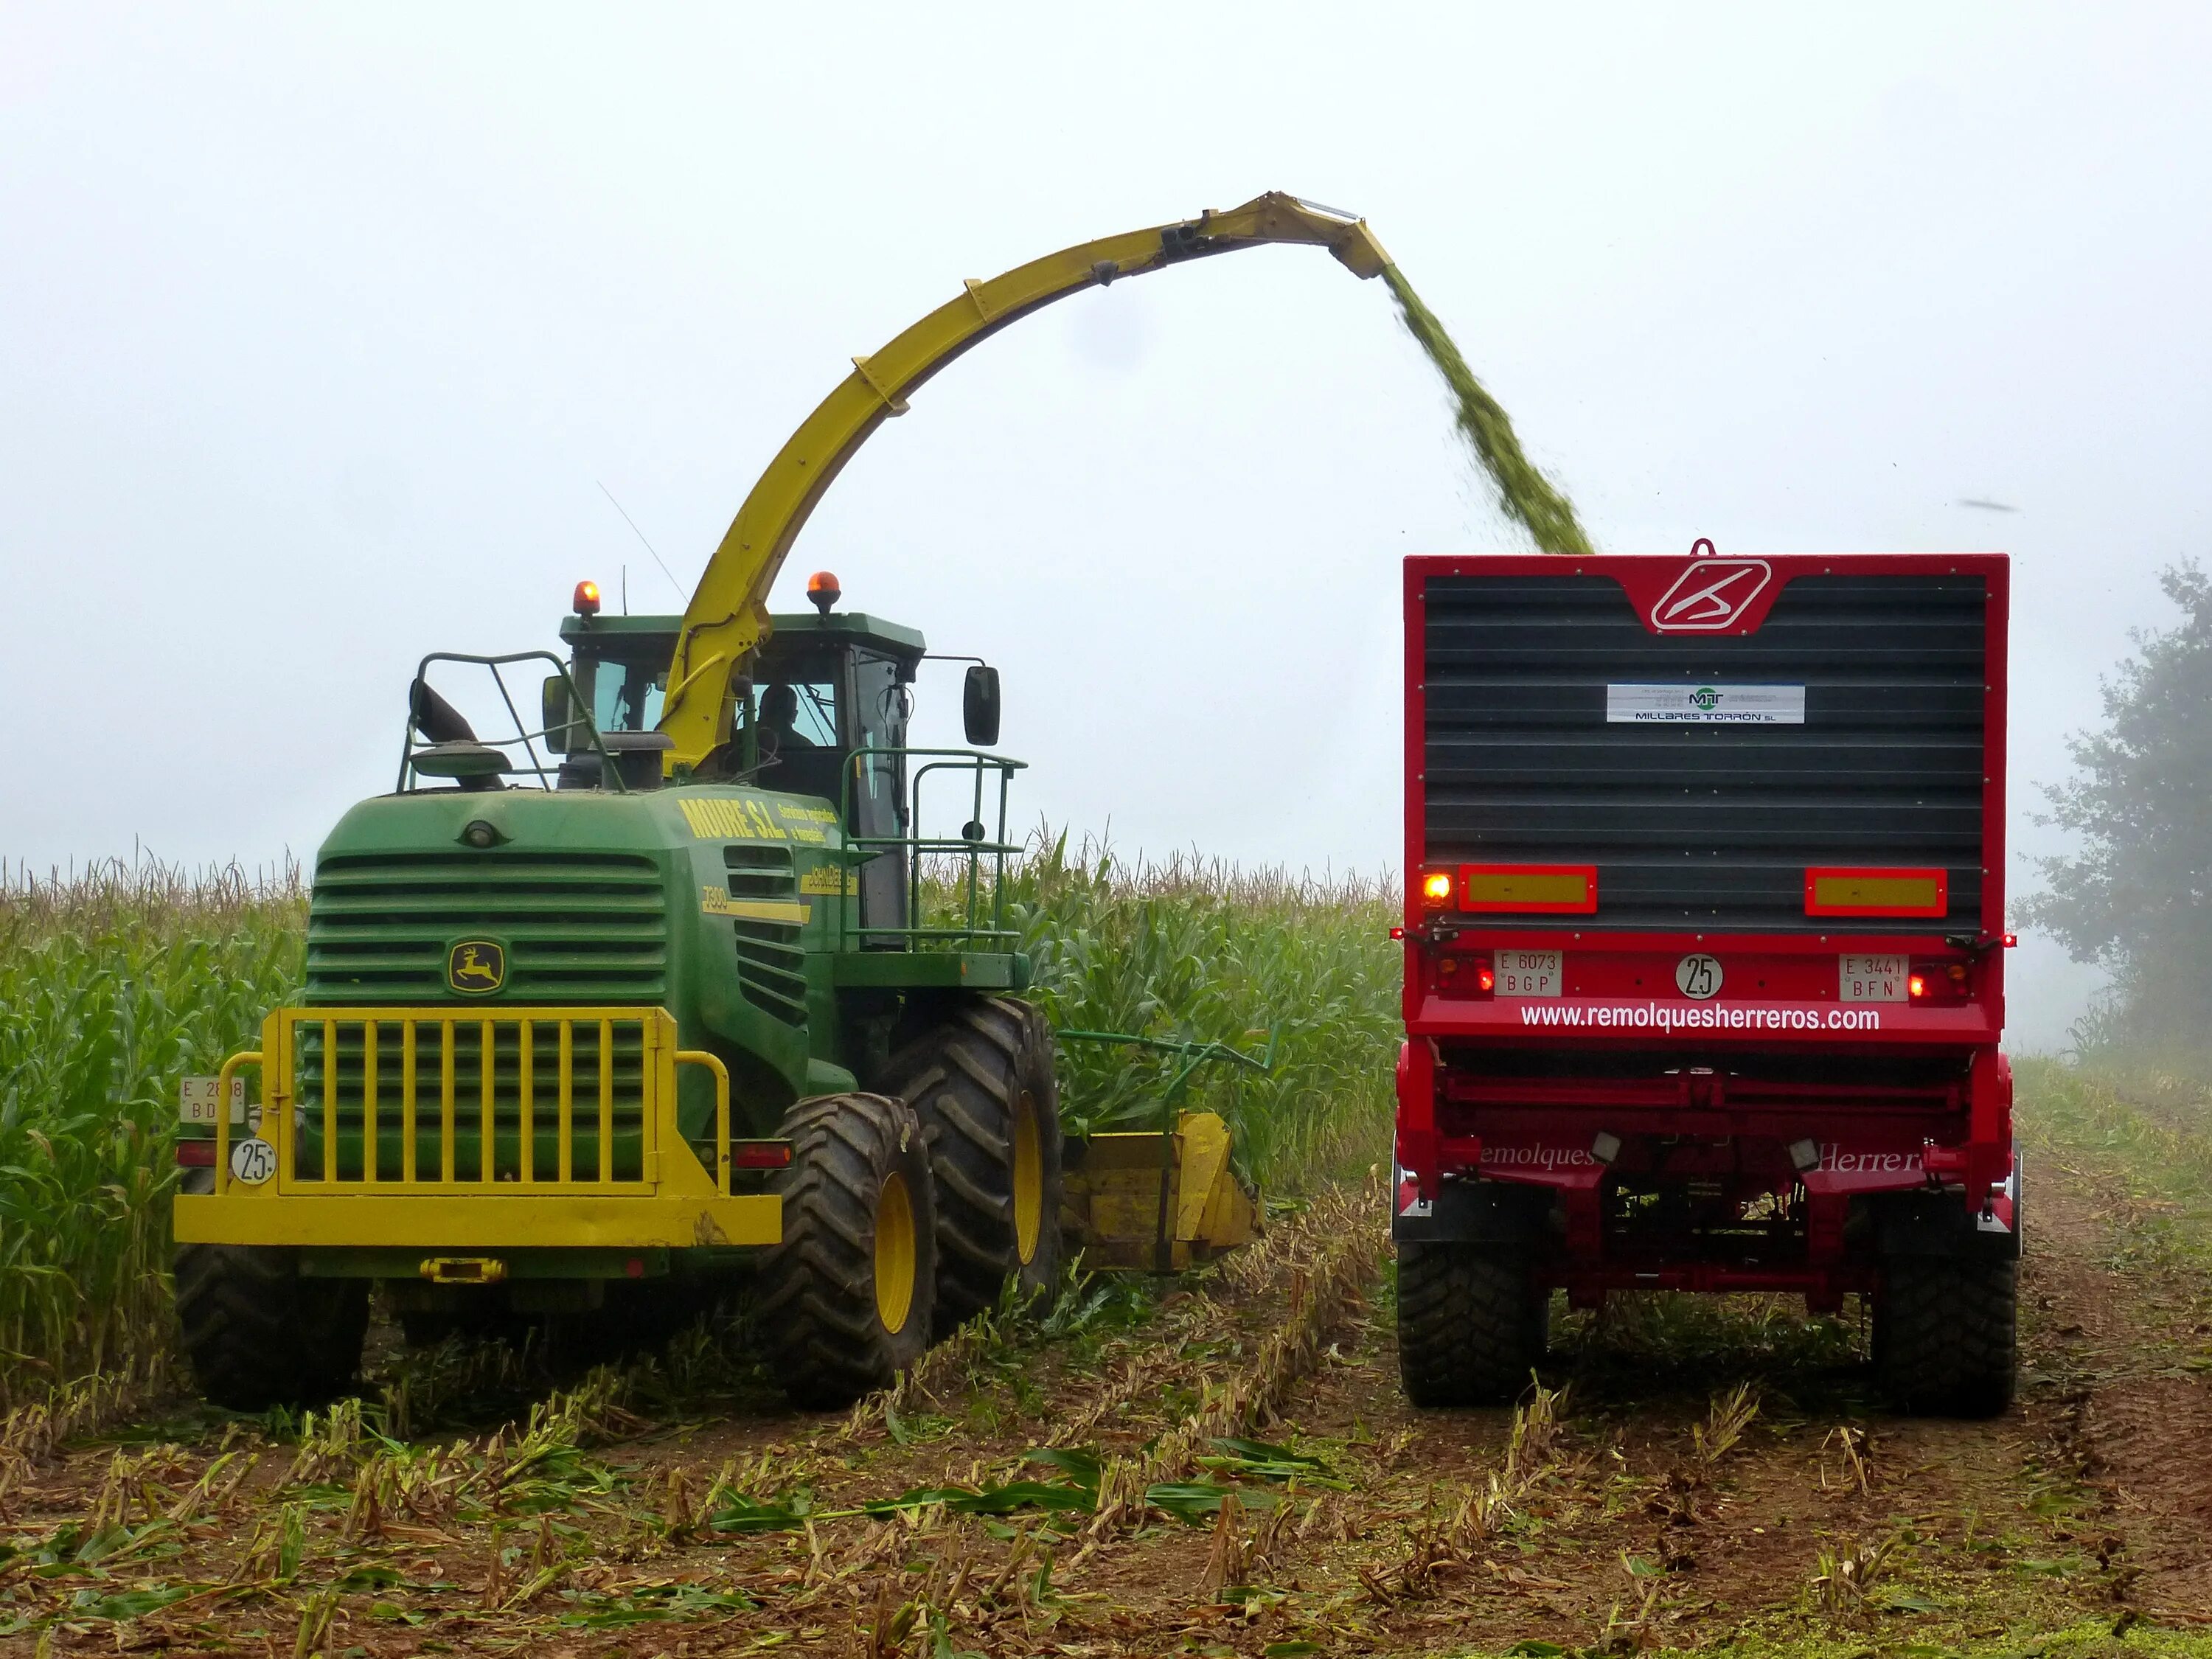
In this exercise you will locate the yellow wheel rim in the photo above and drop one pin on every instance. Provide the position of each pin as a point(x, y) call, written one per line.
point(895, 1254)
point(1028, 1180)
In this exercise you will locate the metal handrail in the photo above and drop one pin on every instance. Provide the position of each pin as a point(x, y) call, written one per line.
point(862, 850)
point(580, 716)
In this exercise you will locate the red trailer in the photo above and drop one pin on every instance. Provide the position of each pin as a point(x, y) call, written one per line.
point(1705, 967)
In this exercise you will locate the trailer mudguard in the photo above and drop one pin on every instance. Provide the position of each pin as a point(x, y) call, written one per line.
point(1474, 1211)
point(1935, 1224)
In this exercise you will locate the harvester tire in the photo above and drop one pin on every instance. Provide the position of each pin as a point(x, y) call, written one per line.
point(847, 1297)
point(1472, 1323)
point(1945, 1335)
point(981, 1083)
point(257, 1333)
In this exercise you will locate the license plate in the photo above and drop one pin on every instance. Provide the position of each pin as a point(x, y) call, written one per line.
point(1527, 973)
point(197, 1101)
point(1872, 979)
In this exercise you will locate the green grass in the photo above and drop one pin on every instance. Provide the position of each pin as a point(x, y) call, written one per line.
point(116, 984)
point(2145, 1132)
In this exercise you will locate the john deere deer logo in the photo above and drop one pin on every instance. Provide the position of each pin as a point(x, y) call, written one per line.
point(476, 966)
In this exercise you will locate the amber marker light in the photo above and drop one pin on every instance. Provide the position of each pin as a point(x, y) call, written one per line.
point(1436, 887)
point(586, 602)
point(822, 591)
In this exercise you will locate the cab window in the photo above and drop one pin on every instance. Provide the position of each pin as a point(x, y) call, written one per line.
point(626, 696)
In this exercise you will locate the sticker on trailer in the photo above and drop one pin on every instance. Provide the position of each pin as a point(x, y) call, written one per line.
point(252, 1161)
point(1409, 1191)
point(196, 1100)
point(1526, 973)
point(1689, 704)
point(1698, 977)
point(1873, 979)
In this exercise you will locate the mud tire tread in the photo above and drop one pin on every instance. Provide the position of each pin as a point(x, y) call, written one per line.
point(1472, 1324)
point(817, 1311)
point(259, 1335)
point(1947, 1336)
point(961, 1078)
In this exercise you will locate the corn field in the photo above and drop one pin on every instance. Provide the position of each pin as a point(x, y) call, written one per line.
point(114, 984)
point(1195, 950)
point(117, 981)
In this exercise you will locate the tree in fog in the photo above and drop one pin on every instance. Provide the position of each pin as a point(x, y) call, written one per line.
point(2136, 894)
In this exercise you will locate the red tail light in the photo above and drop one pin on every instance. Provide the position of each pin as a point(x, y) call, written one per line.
point(1937, 984)
point(760, 1154)
point(1466, 976)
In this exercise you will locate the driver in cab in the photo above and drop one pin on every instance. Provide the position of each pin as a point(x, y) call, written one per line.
point(779, 732)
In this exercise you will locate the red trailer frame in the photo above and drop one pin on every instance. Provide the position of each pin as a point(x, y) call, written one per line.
point(1530, 1116)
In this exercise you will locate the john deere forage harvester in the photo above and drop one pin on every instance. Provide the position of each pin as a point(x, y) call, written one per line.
point(647, 989)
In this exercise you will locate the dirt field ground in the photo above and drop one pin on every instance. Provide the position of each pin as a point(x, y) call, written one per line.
point(1692, 1475)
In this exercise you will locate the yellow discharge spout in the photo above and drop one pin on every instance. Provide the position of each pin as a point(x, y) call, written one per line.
point(727, 615)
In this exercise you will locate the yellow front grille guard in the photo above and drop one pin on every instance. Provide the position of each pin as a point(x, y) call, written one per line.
point(671, 1200)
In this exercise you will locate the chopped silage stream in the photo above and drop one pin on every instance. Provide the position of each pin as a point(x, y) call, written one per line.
point(1524, 493)
point(1217, 1464)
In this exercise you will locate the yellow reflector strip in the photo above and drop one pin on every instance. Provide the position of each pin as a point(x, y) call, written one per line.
point(1534, 888)
point(1876, 892)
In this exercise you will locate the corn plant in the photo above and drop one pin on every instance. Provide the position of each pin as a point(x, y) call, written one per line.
point(1197, 950)
point(114, 984)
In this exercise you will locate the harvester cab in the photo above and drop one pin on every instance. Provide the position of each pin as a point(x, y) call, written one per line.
point(701, 967)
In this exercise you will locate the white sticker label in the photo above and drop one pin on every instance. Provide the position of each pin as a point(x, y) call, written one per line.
point(1698, 977)
point(1527, 973)
point(197, 1100)
point(1872, 979)
point(252, 1161)
point(1704, 705)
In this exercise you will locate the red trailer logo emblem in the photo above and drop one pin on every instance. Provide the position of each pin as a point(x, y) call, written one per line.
point(1711, 596)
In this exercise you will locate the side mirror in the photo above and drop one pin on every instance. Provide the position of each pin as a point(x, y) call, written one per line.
point(556, 713)
point(979, 706)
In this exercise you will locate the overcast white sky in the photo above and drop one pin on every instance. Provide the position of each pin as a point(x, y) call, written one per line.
point(318, 326)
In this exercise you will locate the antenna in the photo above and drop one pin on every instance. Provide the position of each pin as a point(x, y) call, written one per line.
point(649, 548)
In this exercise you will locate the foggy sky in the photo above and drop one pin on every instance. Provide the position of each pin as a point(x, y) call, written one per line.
point(320, 329)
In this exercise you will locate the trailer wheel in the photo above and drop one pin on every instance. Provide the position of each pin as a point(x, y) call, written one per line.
point(981, 1083)
point(257, 1333)
point(1945, 1334)
point(1472, 1323)
point(847, 1294)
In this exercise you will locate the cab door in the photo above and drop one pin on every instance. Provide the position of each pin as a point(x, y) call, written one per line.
point(880, 703)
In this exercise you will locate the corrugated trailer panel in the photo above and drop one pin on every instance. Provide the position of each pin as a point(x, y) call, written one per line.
point(1708, 826)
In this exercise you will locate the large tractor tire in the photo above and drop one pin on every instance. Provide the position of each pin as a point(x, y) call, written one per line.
point(1472, 1323)
point(260, 1334)
point(981, 1083)
point(1945, 1335)
point(846, 1296)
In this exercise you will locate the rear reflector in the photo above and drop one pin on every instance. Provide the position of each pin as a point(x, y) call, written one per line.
point(1528, 888)
point(196, 1154)
point(1877, 893)
point(760, 1154)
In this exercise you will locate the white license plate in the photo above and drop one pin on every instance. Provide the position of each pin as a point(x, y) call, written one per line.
point(1872, 979)
point(1527, 973)
point(197, 1100)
